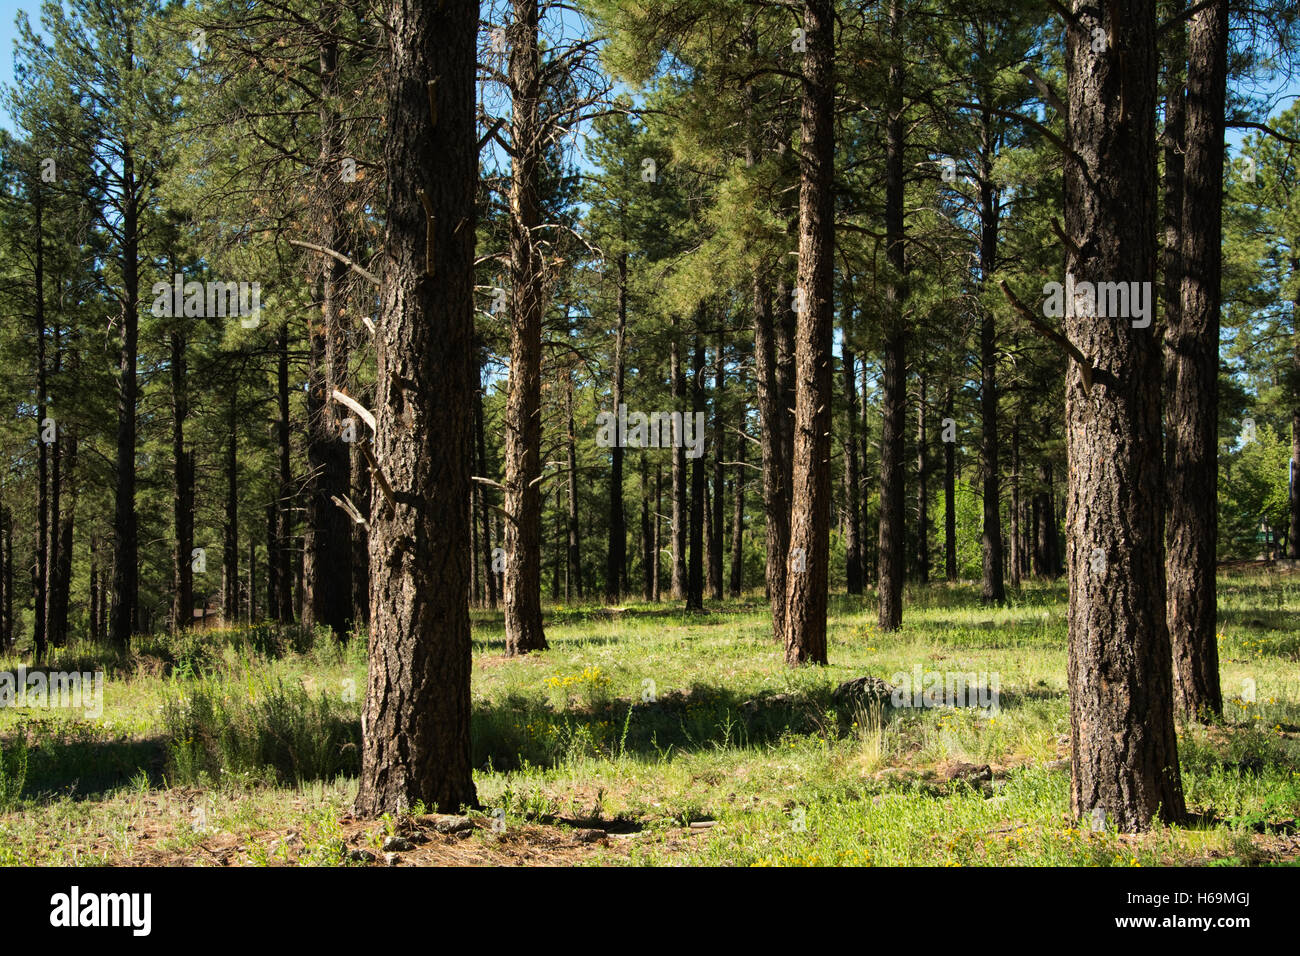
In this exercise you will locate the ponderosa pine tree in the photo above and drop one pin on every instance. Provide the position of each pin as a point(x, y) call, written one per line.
point(416, 719)
point(1123, 750)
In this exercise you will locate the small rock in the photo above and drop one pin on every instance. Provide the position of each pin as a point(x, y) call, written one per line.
point(446, 822)
point(464, 834)
point(391, 859)
point(398, 844)
point(361, 856)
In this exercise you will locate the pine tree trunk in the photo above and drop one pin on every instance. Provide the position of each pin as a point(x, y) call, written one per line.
point(182, 492)
point(776, 489)
point(949, 495)
point(1123, 748)
point(284, 545)
point(737, 574)
point(680, 519)
point(40, 586)
point(1192, 414)
point(123, 616)
point(616, 554)
point(922, 487)
point(575, 533)
point(718, 500)
point(523, 425)
point(695, 569)
point(892, 547)
point(994, 588)
point(852, 478)
point(230, 546)
point(416, 721)
point(484, 508)
point(810, 504)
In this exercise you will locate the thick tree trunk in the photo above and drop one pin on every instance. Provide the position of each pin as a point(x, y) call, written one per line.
point(1192, 416)
point(810, 503)
point(416, 722)
point(1124, 752)
point(523, 423)
point(892, 548)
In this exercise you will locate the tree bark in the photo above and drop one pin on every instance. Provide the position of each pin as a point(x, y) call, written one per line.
point(892, 548)
point(922, 487)
point(852, 476)
point(616, 554)
point(810, 505)
point(182, 492)
point(1192, 415)
point(416, 722)
point(124, 614)
point(523, 438)
point(680, 519)
point(695, 570)
point(772, 405)
point(1123, 749)
point(949, 496)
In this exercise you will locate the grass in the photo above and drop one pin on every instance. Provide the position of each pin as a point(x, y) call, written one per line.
point(681, 738)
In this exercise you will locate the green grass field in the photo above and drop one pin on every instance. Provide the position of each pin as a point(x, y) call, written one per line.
point(649, 736)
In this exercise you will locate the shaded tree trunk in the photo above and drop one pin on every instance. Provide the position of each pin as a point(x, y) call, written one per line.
point(852, 477)
point(285, 559)
point(678, 384)
point(695, 571)
point(1192, 415)
point(922, 488)
point(737, 581)
point(183, 496)
point(949, 495)
point(416, 721)
point(1123, 748)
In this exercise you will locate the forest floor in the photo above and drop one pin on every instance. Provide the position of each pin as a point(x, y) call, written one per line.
point(645, 735)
